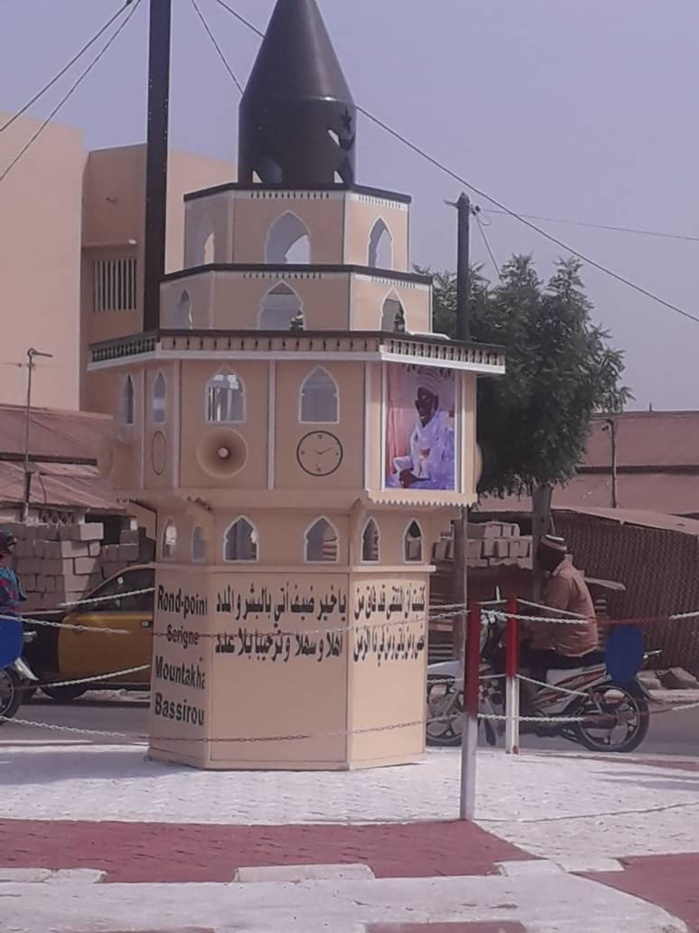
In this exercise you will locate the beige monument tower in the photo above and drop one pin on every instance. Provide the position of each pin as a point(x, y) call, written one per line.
point(303, 437)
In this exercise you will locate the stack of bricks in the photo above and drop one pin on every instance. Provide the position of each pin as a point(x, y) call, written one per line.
point(60, 564)
point(490, 544)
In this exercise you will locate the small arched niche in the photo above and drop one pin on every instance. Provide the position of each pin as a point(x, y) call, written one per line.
point(225, 399)
point(393, 315)
point(288, 242)
point(320, 398)
point(168, 547)
point(159, 407)
point(371, 542)
point(281, 309)
point(380, 246)
point(240, 542)
point(322, 543)
point(183, 311)
point(198, 545)
point(128, 401)
point(412, 544)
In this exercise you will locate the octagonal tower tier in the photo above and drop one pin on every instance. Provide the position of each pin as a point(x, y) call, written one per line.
point(304, 438)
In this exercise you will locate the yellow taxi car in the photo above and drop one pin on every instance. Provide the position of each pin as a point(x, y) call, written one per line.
point(124, 602)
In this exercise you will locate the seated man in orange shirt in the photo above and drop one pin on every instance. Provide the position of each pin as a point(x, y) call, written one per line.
point(563, 643)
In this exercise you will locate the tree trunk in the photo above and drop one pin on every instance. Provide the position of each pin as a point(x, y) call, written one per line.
point(541, 526)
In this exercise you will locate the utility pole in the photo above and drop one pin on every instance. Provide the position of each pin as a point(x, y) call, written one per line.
point(465, 626)
point(32, 354)
point(611, 422)
point(156, 159)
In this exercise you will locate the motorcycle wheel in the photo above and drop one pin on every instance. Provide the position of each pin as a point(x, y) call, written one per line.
point(64, 694)
point(10, 694)
point(445, 710)
point(626, 705)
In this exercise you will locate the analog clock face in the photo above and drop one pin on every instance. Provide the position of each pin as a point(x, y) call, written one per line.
point(319, 453)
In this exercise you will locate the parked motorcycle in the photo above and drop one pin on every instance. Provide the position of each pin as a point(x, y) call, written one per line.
point(16, 685)
point(612, 717)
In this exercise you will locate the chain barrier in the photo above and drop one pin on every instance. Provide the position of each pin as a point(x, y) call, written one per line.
point(36, 685)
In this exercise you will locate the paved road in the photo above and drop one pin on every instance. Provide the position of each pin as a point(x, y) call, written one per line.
point(671, 733)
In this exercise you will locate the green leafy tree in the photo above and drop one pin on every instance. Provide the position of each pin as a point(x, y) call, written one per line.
point(533, 424)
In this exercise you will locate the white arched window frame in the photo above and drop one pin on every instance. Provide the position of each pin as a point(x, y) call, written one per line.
point(168, 544)
point(281, 309)
point(413, 543)
point(288, 242)
point(128, 401)
point(321, 543)
point(319, 398)
point(225, 399)
point(393, 314)
point(198, 545)
point(159, 406)
point(241, 542)
point(371, 542)
point(380, 246)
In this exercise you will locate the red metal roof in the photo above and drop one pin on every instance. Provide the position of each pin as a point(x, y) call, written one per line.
point(67, 434)
point(58, 486)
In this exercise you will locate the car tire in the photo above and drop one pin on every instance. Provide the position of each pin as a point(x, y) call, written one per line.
point(10, 694)
point(65, 694)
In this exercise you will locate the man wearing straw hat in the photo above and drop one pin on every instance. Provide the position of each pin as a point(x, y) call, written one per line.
point(563, 643)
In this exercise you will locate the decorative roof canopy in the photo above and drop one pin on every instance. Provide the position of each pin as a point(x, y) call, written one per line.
point(297, 116)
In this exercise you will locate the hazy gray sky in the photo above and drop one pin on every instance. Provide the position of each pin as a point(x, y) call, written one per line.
point(582, 110)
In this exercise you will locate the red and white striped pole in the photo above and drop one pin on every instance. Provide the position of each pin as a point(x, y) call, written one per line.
point(469, 732)
point(512, 679)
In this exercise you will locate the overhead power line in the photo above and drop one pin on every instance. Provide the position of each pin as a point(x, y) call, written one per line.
point(595, 226)
point(503, 208)
point(134, 4)
point(215, 44)
point(47, 87)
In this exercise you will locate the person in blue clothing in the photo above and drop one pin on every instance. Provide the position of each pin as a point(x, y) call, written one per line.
point(11, 598)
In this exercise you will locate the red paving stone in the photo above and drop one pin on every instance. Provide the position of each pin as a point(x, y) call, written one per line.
point(163, 852)
point(669, 881)
point(480, 927)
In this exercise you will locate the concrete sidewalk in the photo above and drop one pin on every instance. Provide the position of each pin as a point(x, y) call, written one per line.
point(562, 842)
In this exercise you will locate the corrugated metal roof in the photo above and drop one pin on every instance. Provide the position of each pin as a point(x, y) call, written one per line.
point(686, 526)
point(58, 486)
point(67, 434)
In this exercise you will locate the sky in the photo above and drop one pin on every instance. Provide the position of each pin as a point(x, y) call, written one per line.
point(577, 110)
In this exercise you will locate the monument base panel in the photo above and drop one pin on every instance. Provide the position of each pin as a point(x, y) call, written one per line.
point(206, 762)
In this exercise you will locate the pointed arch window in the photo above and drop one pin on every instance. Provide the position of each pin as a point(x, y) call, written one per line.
point(288, 241)
point(281, 309)
point(393, 315)
point(370, 542)
point(183, 311)
point(159, 399)
point(412, 544)
point(169, 541)
point(198, 545)
point(320, 398)
point(240, 543)
point(128, 401)
point(322, 545)
point(225, 399)
point(380, 246)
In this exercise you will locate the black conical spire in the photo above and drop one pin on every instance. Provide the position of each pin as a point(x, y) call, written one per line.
point(297, 116)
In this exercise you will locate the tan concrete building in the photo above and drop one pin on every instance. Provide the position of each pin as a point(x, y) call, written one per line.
point(71, 253)
point(303, 437)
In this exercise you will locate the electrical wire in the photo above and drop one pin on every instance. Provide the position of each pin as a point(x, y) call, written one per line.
point(74, 59)
point(418, 150)
point(66, 97)
point(481, 228)
point(218, 48)
point(610, 227)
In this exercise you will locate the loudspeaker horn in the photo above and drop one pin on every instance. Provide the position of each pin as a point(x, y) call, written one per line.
point(222, 453)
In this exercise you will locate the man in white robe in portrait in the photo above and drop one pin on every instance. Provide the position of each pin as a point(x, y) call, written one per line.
point(430, 463)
